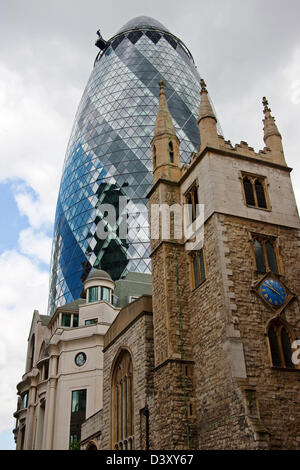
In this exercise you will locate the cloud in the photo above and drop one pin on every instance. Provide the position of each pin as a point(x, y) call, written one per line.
point(291, 74)
point(33, 136)
point(23, 288)
point(35, 244)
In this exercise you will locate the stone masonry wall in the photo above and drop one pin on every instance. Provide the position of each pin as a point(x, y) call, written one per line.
point(277, 389)
point(138, 339)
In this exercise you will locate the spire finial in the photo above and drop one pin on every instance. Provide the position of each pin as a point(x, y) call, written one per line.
point(161, 86)
point(267, 110)
point(203, 86)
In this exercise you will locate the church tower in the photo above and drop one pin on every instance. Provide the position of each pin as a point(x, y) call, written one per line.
point(226, 314)
point(172, 350)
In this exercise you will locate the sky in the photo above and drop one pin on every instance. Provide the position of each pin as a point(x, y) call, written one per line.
point(244, 49)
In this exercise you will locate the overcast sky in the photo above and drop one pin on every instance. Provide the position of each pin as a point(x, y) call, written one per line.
point(245, 49)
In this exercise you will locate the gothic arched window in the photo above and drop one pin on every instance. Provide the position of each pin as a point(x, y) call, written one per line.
point(122, 403)
point(255, 191)
point(280, 339)
point(266, 254)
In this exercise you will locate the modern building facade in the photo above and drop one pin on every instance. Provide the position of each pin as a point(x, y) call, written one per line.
point(63, 381)
point(109, 152)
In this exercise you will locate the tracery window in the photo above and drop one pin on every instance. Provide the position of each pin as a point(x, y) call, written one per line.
point(122, 403)
point(279, 338)
point(266, 254)
point(255, 191)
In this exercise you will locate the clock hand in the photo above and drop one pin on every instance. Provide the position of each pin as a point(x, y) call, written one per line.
point(270, 287)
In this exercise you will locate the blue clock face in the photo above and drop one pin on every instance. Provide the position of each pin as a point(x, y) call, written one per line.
point(273, 292)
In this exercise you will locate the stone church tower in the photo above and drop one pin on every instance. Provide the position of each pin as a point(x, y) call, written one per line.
point(225, 315)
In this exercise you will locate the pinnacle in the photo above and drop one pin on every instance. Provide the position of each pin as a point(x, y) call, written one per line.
point(205, 110)
point(163, 123)
point(270, 127)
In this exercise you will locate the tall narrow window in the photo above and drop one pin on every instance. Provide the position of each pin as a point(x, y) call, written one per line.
point(274, 347)
point(259, 257)
point(93, 294)
point(171, 152)
point(260, 194)
point(266, 254)
point(25, 399)
point(198, 269)
point(280, 345)
point(154, 156)
point(32, 351)
point(193, 203)
point(249, 195)
point(105, 294)
point(122, 403)
point(78, 411)
point(272, 262)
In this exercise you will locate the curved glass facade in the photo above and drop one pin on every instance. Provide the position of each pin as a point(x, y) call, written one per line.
point(109, 152)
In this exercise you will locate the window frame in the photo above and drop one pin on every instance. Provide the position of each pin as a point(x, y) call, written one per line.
point(253, 178)
point(190, 193)
point(122, 399)
point(279, 325)
point(197, 255)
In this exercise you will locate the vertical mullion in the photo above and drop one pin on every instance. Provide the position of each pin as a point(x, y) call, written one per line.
point(126, 408)
point(254, 192)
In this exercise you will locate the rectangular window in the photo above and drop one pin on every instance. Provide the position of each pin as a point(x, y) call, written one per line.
point(78, 400)
point(66, 319)
point(78, 412)
point(198, 268)
point(92, 321)
point(75, 321)
point(46, 370)
point(105, 294)
point(93, 294)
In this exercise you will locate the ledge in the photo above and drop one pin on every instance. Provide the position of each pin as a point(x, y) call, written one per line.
point(126, 317)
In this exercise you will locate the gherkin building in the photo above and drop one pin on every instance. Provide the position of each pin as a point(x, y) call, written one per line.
point(109, 153)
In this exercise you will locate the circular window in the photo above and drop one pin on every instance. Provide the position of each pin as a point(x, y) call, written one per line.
point(80, 359)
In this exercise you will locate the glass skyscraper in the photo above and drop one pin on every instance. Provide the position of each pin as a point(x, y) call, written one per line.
point(109, 153)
